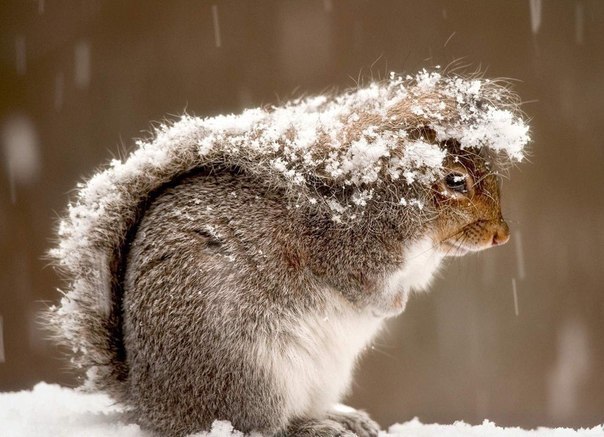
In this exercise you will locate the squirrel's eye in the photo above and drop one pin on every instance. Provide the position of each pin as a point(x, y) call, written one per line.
point(456, 182)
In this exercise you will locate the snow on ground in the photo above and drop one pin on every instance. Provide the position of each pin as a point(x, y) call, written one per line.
point(51, 410)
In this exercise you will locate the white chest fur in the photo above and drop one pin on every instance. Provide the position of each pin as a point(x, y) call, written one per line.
point(421, 263)
point(313, 363)
point(314, 368)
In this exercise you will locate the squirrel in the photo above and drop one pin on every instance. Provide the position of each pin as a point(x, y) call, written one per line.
point(234, 267)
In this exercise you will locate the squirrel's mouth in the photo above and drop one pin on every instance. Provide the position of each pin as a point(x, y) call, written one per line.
point(455, 248)
point(477, 236)
point(459, 244)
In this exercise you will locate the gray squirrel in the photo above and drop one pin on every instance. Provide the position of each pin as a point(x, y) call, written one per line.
point(234, 267)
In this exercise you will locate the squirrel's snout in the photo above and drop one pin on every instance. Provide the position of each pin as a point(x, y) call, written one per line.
point(501, 233)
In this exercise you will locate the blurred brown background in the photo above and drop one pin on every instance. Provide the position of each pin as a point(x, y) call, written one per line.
point(80, 78)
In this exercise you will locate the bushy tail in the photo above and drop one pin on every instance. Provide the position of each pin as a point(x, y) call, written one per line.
point(90, 250)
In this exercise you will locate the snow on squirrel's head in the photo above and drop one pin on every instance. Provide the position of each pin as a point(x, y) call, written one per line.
point(428, 142)
point(384, 131)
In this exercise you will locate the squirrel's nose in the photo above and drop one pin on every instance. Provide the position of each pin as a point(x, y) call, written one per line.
point(501, 233)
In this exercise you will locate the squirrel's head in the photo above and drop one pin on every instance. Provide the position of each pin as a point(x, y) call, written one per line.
point(467, 203)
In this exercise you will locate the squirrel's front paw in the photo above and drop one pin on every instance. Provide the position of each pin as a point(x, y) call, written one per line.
point(356, 421)
point(317, 428)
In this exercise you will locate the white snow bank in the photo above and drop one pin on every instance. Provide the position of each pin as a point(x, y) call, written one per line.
point(51, 410)
point(414, 428)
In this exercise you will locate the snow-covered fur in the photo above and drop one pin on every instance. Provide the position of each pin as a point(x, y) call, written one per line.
point(234, 267)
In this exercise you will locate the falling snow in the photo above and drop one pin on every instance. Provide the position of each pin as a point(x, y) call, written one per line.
point(2, 355)
point(579, 23)
point(518, 246)
point(515, 292)
point(59, 90)
point(82, 64)
point(21, 151)
point(216, 22)
point(536, 8)
point(570, 370)
point(20, 55)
